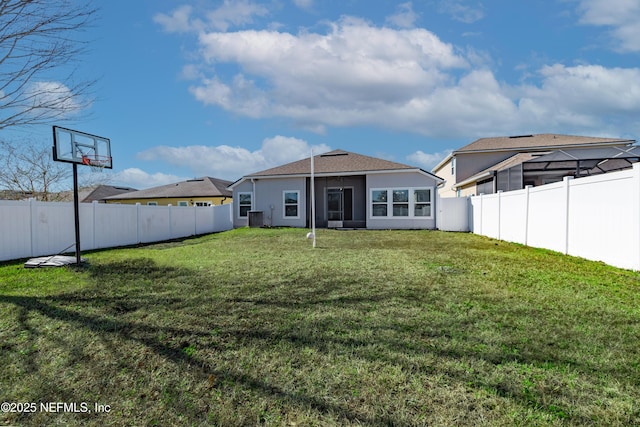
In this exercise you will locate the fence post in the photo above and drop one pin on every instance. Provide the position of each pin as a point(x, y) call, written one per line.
point(32, 225)
point(137, 222)
point(499, 214)
point(567, 186)
point(636, 179)
point(526, 215)
point(94, 227)
point(481, 215)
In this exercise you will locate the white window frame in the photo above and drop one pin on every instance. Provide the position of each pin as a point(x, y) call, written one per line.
point(412, 203)
point(240, 194)
point(285, 204)
point(183, 203)
point(453, 166)
point(376, 203)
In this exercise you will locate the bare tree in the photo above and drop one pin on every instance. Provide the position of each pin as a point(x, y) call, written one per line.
point(28, 170)
point(40, 46)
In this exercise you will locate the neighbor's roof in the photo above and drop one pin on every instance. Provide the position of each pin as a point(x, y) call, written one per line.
point(539, 141)
point(199, 187)
point(103, 191)
point(514, 160)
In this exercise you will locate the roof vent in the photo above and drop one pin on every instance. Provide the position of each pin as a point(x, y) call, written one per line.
point(195, 180)
point(521, 136)
point(342, 153)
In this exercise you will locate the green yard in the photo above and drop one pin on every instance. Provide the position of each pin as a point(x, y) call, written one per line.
point(254, 327)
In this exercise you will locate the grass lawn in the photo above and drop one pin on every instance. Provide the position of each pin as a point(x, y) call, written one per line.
point(254, 327)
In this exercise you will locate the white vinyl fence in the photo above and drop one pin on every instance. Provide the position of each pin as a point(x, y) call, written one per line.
point(31, 228)
point(597, 217)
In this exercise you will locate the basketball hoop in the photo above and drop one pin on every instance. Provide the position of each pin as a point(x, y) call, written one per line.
point(96, 161)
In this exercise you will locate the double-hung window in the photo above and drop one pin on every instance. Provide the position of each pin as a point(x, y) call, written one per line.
point(379, 202)
point(400, 202)
point(422, 202)
point(244, 204)
point(291, 200)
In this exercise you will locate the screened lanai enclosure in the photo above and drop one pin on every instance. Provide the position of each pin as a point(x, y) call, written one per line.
point(554, 166)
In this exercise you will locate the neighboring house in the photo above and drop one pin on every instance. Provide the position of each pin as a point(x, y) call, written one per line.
point(351, 191)
point(204, 191)
point(101, 192)
point(488, 165)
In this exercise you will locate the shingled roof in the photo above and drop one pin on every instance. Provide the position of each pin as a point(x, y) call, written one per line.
point(334, 162)
point(101, 192)
point(199, 187)
point(539, 141)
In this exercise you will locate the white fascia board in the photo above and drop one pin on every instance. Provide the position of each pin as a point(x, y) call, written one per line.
point(442, 162)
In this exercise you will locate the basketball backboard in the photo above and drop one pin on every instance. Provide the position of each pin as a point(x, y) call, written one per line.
point(72, 146)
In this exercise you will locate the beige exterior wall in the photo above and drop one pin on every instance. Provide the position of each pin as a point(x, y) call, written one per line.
point(444, 172)
point(174, 201)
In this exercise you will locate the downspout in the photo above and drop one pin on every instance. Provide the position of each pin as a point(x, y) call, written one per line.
point(253, 199)
point(495, 182)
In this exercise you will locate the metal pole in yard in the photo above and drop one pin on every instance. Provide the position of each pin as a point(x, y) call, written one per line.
point(313, 202)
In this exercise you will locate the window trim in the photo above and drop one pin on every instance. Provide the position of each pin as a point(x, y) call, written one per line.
point(240, 205)
point(377, 203)
point(412, 203)
point(183, 203)
point(285, 204)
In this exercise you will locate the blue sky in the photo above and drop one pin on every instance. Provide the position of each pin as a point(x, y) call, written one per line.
point(229, 87)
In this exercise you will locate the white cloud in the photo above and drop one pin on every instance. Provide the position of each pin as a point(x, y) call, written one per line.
point(623, 16)
point(303, 4)
point(585, 97)
point(405, 17)
point(461, 12)
point(228, 162)
point(352, 74)
point(232, 13)
point(357, 74)
point(427, 160)
point(53, 96)
point(137, 178)
point(179, 21)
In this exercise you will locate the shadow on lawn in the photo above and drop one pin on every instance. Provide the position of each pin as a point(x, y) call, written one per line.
point(95, 310)
point(127, 295)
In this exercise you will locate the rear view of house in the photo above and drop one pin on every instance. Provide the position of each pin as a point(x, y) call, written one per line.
point(351, 191)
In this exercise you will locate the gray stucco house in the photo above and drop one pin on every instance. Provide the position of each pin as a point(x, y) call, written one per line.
point(351, 191)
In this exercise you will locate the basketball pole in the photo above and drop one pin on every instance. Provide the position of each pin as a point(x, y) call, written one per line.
point(76, 210)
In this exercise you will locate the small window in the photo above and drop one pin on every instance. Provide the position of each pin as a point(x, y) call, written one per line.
point(152, 203)
point(400, 202)
point(244, 204)
point(422, 202)
point(203, 203)
point(453, 166)
point(183, 203)
point(379, 202)
point(291, 204)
